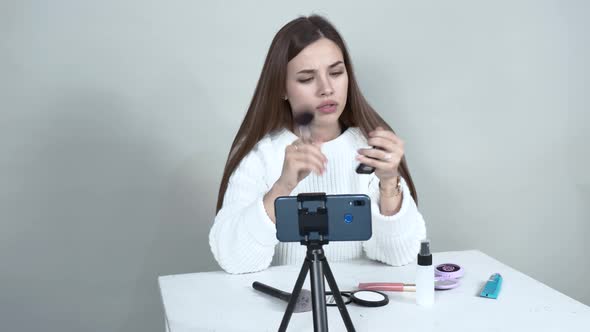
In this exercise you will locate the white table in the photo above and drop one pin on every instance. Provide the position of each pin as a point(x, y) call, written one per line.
point(217, 301)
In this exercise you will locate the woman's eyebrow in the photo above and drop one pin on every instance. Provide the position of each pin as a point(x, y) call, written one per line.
point(311, 71)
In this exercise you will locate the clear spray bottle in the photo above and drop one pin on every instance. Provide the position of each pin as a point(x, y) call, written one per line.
point(425, 276)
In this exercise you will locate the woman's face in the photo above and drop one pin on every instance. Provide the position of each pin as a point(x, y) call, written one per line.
point(317, 81)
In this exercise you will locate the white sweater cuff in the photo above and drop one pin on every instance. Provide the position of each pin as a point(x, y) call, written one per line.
point(396, 238)
point(396, 224)
point(245, 242)
point(259, 225)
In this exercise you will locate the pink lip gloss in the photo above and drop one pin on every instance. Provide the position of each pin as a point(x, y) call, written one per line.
point(387, 286)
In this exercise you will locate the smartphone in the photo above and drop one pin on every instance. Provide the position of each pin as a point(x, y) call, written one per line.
point(349, 217)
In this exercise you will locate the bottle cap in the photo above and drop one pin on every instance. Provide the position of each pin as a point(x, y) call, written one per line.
point(425, 247)
point(424, 256)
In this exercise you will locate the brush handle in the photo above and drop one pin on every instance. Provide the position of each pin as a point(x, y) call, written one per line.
point(271, 291)
point(305, 134)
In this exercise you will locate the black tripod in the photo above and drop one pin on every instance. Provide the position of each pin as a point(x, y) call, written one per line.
point(316, 263)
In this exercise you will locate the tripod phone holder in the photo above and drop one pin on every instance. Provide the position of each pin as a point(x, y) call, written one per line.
point(313, 227)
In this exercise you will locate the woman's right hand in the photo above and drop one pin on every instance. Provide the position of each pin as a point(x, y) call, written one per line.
point(301, 158)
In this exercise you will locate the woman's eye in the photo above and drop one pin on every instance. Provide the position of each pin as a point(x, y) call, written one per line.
point(305, 80)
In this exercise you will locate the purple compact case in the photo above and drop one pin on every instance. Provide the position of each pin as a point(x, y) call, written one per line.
point(447, 276)
point(449, 271)
point(443, 284)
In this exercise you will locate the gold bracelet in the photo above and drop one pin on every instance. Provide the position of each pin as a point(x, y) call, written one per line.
point(397, 191)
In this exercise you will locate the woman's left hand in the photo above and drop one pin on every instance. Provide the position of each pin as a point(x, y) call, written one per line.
point(386, 156)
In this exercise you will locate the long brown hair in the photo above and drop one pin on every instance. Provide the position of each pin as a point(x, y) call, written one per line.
point(268, 111)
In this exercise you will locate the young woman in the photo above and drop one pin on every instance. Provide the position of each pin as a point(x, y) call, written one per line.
point(308, 69)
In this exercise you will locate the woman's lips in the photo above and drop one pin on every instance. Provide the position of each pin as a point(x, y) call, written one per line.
point(328, 108)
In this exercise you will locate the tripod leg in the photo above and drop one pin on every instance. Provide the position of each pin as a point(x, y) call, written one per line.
point(318, 292)
point(337, 296)
point(294, 295)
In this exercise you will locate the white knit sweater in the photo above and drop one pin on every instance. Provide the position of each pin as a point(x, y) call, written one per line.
point(243, 238)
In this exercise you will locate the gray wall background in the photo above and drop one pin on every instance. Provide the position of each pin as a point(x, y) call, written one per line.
point(117, 117)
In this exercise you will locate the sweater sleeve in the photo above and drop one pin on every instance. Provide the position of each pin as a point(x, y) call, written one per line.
point(243, 237)
point(396, 239)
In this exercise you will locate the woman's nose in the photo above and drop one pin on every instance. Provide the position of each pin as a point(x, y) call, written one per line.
point(325, 87)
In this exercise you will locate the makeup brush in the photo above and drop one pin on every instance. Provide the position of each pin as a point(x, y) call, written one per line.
point(303, 303)
point(303, 120)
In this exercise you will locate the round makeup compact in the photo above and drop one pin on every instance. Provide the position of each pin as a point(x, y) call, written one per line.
point(447, 276)
point(366, 298)
point(448, 270)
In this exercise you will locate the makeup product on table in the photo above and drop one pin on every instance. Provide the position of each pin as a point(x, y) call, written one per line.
point(425, 276)
point(387, 286)
point(447, 276)
point(491, 289)
point(365, 298)
point(303, 303)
